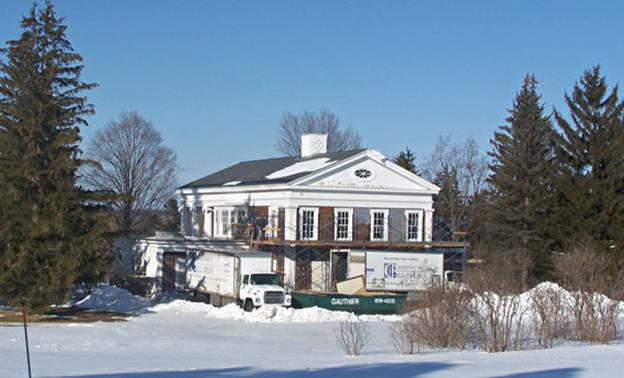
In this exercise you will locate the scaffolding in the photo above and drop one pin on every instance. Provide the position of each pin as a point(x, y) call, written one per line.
point(317, 262)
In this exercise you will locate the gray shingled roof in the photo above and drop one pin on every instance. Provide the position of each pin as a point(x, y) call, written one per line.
point(254, 172)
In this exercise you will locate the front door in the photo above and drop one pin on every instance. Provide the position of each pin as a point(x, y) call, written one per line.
point(169, 272)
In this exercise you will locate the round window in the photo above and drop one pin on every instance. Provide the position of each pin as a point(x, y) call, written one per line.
point(363, 173)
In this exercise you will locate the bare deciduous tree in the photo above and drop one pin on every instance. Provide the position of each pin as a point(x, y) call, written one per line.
point(292, 126)
point(131, 161)
point(460, 170)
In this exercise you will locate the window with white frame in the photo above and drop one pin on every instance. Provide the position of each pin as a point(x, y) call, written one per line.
point(342, 224)
point(225, 218)
point(273, 222)
point(379, 225)
point(308, 223)
point(412, 225)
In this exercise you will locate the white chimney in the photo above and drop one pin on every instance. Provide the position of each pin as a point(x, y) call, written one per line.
point(313, 144)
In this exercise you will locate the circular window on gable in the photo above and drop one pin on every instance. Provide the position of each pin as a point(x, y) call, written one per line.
point(363, 174)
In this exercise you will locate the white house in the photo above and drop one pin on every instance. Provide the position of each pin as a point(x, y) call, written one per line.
point(315, 212)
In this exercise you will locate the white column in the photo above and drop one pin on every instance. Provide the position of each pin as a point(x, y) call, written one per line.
point(186, 221)
point(194, 221)
point(208, 214)
point(290, 268)
point(290, 223)
point(428, 225)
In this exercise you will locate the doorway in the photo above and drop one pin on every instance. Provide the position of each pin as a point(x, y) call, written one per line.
point(169, 272)
point(339, 267)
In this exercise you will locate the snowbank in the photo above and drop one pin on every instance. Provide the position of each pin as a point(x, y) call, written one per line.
point(113, 299)
point(265, 314)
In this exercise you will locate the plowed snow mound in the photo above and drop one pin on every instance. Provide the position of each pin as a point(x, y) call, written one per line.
point(265, 314)
point(113, 299)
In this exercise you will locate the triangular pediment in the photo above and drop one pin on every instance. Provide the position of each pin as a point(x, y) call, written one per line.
point(369, 170)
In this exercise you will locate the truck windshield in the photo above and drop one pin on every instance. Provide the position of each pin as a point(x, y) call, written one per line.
point(264, 279)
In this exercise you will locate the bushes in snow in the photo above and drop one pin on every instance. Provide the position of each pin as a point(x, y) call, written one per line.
point(352, 336)
point(492, 313)
point(440, 322)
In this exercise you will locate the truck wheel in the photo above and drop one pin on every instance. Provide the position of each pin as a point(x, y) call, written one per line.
point(248, 307)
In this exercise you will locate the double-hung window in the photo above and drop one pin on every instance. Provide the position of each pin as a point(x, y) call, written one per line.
point(379, 225)
point(272, 226)
point(413, 225)
point(308, 224)
point(342, 224)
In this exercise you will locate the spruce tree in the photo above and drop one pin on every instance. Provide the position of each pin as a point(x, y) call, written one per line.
point(49, 237)
point(591, 156)
point(405, 159)
point(520, 190)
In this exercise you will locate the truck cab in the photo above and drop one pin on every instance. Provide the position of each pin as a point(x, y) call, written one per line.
point(262, 289)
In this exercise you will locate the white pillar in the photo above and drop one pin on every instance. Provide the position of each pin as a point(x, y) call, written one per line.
point(290, 268)
point(208, 213)
point(428, 225)
point(195, 221)
point(290, 223)
point(186, 221)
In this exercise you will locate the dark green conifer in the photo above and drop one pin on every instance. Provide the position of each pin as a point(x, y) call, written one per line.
point(591, 157)
point(50, 231)
point(406, 159)
point(520, 190)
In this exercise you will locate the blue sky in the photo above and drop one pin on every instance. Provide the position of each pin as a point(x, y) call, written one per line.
point(216, 77)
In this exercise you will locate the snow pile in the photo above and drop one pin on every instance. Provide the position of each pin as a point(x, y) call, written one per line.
point(301, 167)
point(265, 314)
point(113, 299)
point(231, 183)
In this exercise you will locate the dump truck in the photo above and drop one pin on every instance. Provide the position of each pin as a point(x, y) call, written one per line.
point(245, 277)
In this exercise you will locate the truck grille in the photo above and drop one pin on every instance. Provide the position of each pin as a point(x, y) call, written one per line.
point(273, 297)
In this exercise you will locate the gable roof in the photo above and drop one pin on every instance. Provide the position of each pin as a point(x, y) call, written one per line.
point(266, 171)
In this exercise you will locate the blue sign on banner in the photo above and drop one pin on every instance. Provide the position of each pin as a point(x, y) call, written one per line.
point(390, 270)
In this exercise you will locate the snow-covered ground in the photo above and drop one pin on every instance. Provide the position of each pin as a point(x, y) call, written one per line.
point(182, 339)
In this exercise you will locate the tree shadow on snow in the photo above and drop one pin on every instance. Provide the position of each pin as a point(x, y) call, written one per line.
point(354, 371)
point(559, 373)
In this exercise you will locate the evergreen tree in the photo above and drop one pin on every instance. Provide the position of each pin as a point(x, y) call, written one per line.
point(591, 156)
point(520, 190)
point(49, 237)
point(405, 159)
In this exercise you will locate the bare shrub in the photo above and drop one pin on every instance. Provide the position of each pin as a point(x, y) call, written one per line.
point(352, 336)
point(551, 318)
point(589, 276)
point(404, 334)
point(496, 310)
